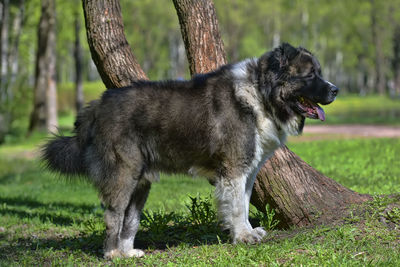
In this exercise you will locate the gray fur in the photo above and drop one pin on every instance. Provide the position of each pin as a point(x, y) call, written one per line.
point(224, 124)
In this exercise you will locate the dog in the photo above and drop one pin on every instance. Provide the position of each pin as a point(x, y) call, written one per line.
point(223, 125)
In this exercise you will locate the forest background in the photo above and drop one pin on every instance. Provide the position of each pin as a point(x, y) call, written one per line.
point(357, 43)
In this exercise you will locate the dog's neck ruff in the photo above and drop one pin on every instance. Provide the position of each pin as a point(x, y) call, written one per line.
point(246, 89)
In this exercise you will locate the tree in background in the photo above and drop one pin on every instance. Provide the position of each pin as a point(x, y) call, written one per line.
point(376, 30)
point(78, 55)
point(11, 24)
point(396, 60)
point(44, 114)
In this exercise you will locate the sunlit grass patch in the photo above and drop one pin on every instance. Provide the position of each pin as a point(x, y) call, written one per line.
point(364, 165)
point(353, 109)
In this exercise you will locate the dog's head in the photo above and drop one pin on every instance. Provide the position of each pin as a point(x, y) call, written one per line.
point(291, 82)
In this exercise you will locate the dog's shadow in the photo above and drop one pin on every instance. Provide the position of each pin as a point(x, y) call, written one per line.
point(149, 239)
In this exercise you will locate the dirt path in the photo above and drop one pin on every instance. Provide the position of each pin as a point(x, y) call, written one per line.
point(354, 130)
point(350, 131)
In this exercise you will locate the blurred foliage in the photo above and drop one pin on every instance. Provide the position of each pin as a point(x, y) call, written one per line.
point(337, 32)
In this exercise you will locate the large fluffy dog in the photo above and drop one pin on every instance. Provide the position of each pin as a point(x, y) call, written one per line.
point(223, 124)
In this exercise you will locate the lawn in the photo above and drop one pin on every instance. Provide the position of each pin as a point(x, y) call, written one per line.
point(50, 221)
point(353, 109)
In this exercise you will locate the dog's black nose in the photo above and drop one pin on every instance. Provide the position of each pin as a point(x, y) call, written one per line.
point(334, 90)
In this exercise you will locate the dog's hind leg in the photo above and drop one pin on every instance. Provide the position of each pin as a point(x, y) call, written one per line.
point(116, 183)
point(132, 219)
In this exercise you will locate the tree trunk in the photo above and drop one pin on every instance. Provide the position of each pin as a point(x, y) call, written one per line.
point(380, 82)
point(110, 50)
point(9, 41)
point(13, 58)
point(297, 192)
point(51, 85)
point(78, 55)
point(4, 27)
point(44, 114)
point(396, 59)
point(209, 49)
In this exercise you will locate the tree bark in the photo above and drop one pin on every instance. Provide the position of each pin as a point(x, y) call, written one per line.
point(298, 193)
point(209, 50)
point(44, 114)
point(78, 55)
point(110, 50)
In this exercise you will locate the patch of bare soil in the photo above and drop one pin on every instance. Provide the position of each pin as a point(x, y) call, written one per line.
point(322, 132)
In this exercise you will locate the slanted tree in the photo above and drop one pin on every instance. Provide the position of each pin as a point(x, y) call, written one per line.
point(109, 48)
point(44, 114)
point(293, 188)
point(298, 192)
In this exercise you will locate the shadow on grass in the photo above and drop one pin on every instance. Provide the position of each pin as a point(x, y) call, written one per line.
point(17, 250)
point(157, 232)
point(46, 212)
point(92, 245)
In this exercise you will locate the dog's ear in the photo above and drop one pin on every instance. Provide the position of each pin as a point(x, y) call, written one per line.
point(287, 54)
point(267, 65)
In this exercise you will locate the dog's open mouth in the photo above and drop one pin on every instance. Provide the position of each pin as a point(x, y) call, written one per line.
point(310, 109)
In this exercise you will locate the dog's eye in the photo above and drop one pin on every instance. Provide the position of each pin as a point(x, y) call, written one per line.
point(309, 76)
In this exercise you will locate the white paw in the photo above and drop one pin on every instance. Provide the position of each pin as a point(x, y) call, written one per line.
point(115, 253)
point(137, 253)
point(250, 237)
point(112, 254)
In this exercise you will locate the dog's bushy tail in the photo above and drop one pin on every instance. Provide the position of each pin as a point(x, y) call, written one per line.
point(62, 154)
point(65, 154)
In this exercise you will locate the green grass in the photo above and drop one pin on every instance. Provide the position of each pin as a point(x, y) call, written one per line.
point(353, 109)
point(364, 165)
point(49, 221)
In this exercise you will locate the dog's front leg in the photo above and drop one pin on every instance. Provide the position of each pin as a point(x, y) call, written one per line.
point(233, 210)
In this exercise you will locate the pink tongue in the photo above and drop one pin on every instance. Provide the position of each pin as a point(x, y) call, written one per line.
point(320, 112)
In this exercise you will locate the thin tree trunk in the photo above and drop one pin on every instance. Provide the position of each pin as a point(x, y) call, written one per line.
point(44, 114)
point(4, 28)
point(379, 56)
point(51, 90)
point(110, 50)
point(298, 192)
point(13, 58)
point(396, 59)
point(78, 55)
point(9, 41)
